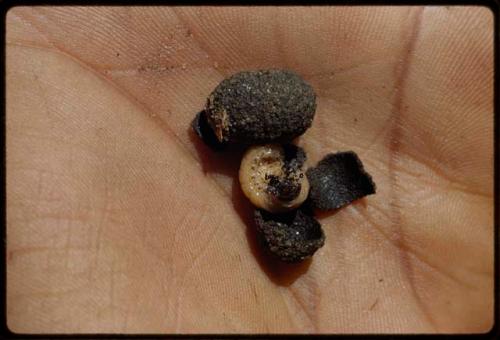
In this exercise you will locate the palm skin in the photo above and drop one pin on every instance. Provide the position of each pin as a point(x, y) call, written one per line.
point(120, 220)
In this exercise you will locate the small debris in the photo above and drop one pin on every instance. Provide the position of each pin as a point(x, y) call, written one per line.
point(373, 304)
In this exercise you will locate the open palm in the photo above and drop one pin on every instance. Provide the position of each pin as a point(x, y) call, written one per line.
point(121, 220)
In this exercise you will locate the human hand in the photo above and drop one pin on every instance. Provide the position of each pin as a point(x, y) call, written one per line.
point(120, 220)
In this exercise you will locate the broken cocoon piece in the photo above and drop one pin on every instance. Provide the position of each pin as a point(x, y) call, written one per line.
point(337, 180)
point(292, 237)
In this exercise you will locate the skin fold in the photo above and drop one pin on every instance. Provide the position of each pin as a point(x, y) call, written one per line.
point(120, 221)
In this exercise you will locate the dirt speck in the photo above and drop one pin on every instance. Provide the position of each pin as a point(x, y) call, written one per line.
point(373, 304)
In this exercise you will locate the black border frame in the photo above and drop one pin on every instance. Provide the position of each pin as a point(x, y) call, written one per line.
point(493, 5)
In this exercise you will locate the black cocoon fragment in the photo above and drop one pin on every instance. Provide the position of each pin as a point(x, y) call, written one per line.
point(292, 236)
point(337, 180)
point(204, 131)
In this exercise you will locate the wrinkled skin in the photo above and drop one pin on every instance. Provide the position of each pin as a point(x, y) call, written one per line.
point(119, 220)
